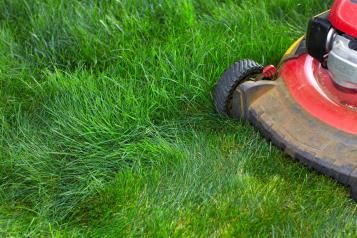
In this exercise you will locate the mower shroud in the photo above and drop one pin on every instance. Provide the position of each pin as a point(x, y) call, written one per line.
point(305, 115)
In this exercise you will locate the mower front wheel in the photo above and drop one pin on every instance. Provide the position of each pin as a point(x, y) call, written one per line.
point(241, 71)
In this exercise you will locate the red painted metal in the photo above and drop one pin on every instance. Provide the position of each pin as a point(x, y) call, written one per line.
point(343, 16)
point(269, 71)
point(312, 88)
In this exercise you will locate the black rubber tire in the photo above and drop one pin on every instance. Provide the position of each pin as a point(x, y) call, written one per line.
point(231, 78)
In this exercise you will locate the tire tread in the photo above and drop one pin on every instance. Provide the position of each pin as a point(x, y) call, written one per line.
point(229, 81)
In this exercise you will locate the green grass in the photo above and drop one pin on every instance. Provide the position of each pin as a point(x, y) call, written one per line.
point(107, 125)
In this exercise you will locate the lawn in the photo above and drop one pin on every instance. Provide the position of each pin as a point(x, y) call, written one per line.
point(107, 127)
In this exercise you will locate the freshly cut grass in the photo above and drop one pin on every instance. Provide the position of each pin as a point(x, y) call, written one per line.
point(107, 125)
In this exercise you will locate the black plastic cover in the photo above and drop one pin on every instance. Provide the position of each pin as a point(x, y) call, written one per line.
point(316, 36)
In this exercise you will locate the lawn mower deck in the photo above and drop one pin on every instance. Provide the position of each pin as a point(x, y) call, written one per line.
point(269, 106)
point(308, 106)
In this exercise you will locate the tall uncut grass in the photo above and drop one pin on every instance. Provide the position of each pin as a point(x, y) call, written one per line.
point(107, 125)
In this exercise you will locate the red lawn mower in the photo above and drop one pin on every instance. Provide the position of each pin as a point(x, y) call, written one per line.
point(308, 105)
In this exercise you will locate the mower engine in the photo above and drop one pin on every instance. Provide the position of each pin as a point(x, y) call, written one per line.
point(332, 39)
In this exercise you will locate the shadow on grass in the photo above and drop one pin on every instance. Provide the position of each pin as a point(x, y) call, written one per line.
point(227, 175)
